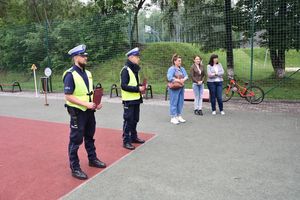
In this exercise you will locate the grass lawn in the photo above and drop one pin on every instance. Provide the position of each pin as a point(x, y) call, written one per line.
point(156, 58)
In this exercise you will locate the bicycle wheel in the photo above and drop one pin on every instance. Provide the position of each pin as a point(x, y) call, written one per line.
point(255, 95)
point(227, 93)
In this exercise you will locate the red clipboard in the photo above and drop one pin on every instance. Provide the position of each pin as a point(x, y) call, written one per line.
point(98, 93)
point(145, 85)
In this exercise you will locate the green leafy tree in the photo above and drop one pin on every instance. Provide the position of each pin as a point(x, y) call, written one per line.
point(109, 6)
point(279, 20)
point(205, 23)
point(171, 16)
point(135, 6)
point(42, 32)
point(12, 12)
point(3, 8)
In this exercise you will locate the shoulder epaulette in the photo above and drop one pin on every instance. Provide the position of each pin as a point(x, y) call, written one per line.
point(71, 69)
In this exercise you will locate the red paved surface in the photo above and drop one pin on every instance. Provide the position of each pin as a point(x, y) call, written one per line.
point(34, 162)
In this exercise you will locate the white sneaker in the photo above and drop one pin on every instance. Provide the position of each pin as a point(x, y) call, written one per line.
point(180, 119)
point(222, 113)
point(174, 120)
point(214, 113)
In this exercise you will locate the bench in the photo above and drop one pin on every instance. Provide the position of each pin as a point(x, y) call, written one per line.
point(12, 85)
point(189, 94)
point(98, 85)
point(148, 90)
point(116, 90)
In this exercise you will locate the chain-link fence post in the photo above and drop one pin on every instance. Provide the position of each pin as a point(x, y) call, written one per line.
point(252, 41)
point(130, 35)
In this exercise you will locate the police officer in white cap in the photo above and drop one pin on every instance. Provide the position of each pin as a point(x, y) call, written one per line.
point(78, 89)
point(132, 98)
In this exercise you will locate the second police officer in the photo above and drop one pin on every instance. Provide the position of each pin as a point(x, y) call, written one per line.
point(131, 96)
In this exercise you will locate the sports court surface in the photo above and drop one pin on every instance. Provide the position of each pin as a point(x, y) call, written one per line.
point(34, 159)
point(251, 153)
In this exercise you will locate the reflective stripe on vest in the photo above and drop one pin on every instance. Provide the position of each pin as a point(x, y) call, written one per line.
point(81, 91)
point(130, 96)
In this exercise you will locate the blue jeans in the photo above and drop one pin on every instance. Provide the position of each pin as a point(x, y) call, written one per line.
point(215, 91)
point(176, 101)
point(198, 92)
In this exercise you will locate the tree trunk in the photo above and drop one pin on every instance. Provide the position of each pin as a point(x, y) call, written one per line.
point(134, 28)
point(36, 11)
point(3, 8)
point(228, 41)
point(277, 41)
point(278, 62)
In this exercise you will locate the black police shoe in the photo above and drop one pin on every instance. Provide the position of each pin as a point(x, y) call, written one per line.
point(79, 174)
point(128, 146)
point(138, 141)
point(97, 163)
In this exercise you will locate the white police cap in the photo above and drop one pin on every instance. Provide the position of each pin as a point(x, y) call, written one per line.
point(79, 50)
point(133, 52)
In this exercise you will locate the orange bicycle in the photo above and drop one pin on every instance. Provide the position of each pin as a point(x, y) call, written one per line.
point(253, 94)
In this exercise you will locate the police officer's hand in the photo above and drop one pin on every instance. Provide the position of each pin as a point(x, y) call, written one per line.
point(99, 106)
point(142, 88)
point(91, 105)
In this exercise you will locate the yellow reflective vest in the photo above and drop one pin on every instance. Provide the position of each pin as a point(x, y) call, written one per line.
point(81, 91)
point(130, 96)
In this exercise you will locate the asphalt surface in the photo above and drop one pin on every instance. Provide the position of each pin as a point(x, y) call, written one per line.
point(249, 155)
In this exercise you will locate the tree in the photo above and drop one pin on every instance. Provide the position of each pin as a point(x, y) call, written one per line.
point(135, 6)
point(155, 34)
point(204, 23)
point(46, 10)
point(3, 8)
point(24, 38)
point(13, 12)
point(171, 16)
point(108, 7)
point(279, 21)
point(27, 11)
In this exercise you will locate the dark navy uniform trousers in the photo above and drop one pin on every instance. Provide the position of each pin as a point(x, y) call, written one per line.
point(131, 117)
point(82, 125)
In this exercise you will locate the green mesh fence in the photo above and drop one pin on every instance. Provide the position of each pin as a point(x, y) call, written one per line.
point(188, 28)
